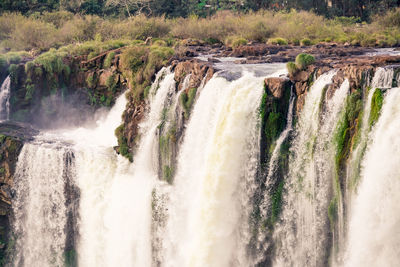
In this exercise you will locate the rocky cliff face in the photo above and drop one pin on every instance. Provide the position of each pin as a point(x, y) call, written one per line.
point(49, 94)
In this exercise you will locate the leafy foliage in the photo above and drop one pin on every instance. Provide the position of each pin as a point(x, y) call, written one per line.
point(303, 60)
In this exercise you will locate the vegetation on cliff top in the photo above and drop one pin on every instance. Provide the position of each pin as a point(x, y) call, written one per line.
point(302, 61)
point(40, 32)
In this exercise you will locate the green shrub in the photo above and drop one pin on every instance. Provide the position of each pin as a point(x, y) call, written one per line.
point(13, 57)
point(111, 83)
point(3, 61)
point(51, 61)
point(13, 70)
point(306, 42)
point(91, 81)
point(108, 60)
point(292, 68)
point(187, 100)
point(30, 89)
point(303, 60)
point(29, 66)
point(239, 42)
point(123, 147)
point(277, 41)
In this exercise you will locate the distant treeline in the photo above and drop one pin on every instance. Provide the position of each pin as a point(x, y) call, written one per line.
point(362, 9)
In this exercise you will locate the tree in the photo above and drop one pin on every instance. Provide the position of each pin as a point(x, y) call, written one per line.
point(137, 5)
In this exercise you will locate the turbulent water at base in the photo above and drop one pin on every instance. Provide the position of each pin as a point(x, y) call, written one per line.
point(5, 99)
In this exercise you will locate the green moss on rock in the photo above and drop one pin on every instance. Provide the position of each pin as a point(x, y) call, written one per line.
point(376, 106)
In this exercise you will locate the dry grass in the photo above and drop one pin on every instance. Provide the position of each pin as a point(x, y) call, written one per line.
point(56, 29)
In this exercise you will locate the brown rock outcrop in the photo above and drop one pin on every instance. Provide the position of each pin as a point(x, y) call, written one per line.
point(277, 85)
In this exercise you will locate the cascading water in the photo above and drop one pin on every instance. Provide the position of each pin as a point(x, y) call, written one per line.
point(209, 204)
point(300, 237)
point(191, 202)
point(5, 99)
point(40, 208)
point(373, 236)
point(115, 197)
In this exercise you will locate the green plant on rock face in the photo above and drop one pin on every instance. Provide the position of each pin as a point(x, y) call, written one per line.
point(29, 66)
point(108, 60)
point(167, 173)
point(38, 72)
point(111, 83)
point(276, 200)
point(52, 62)
point(332, 212)
point(376, 106)
point(2, 138)
point(30, 89)
point(3, 62)
point(292, 68)
point(70, 258)
point(187, 100)
point(13, 70)
point(123, 148)
point(303, 60)
point(90, 81)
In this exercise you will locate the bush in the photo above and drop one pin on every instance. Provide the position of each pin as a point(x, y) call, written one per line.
point(239, 42)
point(292, 68)
point(390, 19)
point(29, 66)
point(3, 61)
point(303, 60)
point(277, 41)
point(108, 60)
point(305, 42)
point(52, 61)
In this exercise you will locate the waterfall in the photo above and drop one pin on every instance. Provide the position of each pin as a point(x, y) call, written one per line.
point(115, 213)
point(5, 99)
point(275, 153)
point(216, 166)
point(301, 235)
point(40, 206)
point(373, 228)
point(192, 201)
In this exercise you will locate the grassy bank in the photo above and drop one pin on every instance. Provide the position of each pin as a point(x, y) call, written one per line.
point(40, 33)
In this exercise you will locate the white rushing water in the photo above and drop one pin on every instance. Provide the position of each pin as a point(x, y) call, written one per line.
point(300, 236)
point(40, 204)
point(218, 159)
point(5, 99)
point(74, 194)
point(115, 212)
point(374, 236)
point(114, 219)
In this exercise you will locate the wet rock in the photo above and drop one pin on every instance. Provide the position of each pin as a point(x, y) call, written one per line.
point(277, 85)
point(198, 70)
